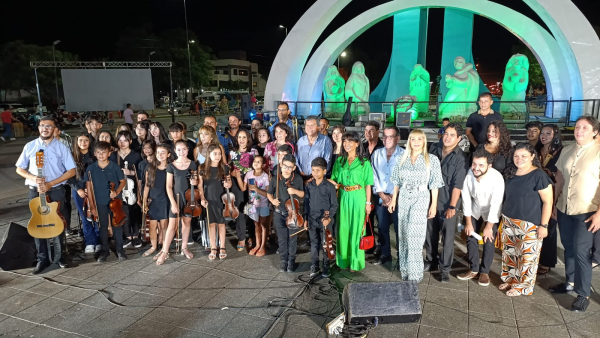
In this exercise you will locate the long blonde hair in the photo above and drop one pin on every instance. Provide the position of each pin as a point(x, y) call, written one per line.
point(408, 152)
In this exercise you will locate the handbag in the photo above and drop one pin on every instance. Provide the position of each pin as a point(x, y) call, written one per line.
point(367, 242)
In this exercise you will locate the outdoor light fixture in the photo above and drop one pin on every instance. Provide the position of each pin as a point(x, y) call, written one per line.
point(284, 27)
point(338, 59)
point(56, 42)
point(192, 41)
point(343, 54)
point(55, 75)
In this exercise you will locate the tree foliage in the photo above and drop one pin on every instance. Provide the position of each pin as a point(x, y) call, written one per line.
point(16, 73)
point(136, 44)
point(536, 75)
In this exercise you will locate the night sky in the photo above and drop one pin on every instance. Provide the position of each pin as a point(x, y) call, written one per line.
point(91, 28)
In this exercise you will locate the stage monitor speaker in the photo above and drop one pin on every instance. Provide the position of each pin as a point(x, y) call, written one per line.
point(403, 120)
point(382, 303)
point(17, 248)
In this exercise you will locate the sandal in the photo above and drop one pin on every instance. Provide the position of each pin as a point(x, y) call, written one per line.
point(222, 253)
point(542, 270)
point(157, 255)
point(504, 287)
point(185, 252)
point(261, 253)
point(240, 248)
point(162, 258)
point(513, 293)
point(213, 254)
point(253, 251)
point(149, 252)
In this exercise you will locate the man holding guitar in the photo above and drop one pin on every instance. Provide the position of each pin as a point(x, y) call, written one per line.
point(58, 167)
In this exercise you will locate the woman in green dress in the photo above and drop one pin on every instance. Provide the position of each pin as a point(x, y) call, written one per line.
point(353, 175)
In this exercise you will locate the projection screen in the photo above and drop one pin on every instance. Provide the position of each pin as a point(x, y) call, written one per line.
point(107, 89)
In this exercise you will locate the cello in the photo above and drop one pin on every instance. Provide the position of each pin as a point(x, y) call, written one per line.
point(116, 207)
point(293, 206)
point(327, 237)
point(230, 212)
point(192, 197)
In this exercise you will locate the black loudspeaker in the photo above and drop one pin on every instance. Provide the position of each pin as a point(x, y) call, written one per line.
point(382, 303)
point(404, 132)
point(403, 120)
point(17, 248)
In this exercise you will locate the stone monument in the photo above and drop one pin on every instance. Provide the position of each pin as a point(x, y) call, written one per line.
point(420, 87)
point(333, 91)
point(358, 87)
point(514, 86)
point(463, 88)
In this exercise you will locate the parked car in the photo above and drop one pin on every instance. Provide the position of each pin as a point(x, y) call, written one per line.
point(17, 107)
point(181, 108)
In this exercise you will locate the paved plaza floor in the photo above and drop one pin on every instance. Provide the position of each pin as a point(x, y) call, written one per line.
point(246, 296)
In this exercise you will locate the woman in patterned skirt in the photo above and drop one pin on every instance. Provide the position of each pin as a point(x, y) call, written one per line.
point(353, 175)
point(414, 176)
point(525, 215)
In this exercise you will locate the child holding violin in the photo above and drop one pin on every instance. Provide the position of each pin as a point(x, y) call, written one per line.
point(179, 180)
point(155, 195)
point(126, 155)
point(320, 207)
point(215, 176)
point(257, 181)
point(282, 186)
point(104, 172)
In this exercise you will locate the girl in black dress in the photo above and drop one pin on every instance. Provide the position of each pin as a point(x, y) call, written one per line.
point(213, 175)
point(155, 195)
point(125, 155)
point(158, 133)
point(148, 155)
point(179, 180)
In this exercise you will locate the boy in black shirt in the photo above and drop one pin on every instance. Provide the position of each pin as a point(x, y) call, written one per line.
point(278, 196)
point(283, 150)
point(103, 173)
point(320, 196)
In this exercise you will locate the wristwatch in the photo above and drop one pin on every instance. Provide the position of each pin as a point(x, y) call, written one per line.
point(543, 226)
point(451, 207)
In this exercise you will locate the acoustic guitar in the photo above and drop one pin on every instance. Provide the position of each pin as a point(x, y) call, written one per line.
point(46, 221)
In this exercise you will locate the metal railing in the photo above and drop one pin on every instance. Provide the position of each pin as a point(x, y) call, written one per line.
point(514, 112)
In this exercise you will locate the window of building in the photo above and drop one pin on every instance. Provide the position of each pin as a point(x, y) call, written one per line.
point(234, 71)
point(225, 72)
point(254, 84)
point(216, 72)
point(243, 72)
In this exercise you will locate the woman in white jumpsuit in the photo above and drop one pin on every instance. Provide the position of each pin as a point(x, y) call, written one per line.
point(414, 176)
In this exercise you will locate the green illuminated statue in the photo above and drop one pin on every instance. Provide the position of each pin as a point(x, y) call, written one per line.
point(358, 87)
point(514, 86)
point(406, 104)
point(420, 87)
point(463, 89)
point(333, 91)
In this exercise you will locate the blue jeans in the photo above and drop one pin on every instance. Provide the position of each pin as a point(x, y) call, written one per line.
point(384, 218)
point(7, 130)
point(90, 232)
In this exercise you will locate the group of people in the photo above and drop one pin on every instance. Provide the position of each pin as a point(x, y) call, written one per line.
point(288, 179)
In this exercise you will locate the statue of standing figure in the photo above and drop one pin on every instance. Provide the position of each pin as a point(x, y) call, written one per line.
point(333, 91)
point(420, 87)
point(514, 86)
point(359, 88)
point(464, 88)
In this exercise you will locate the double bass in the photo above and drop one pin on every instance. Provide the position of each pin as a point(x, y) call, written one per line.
point(192, 197)
point(230, 212)
point(292, 206)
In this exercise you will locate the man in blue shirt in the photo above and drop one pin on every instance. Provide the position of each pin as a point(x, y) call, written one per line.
point(225, 140)
point(311, 146)
point(58, 167)
point(383, 162)
point(283, 116)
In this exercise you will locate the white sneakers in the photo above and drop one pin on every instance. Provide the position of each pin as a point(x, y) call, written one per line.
point(12, 138)
point(2, 138)
point(92, 248)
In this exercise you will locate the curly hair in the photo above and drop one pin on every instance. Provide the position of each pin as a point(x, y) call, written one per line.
point(511, 170)
point(556, 143)
point(504, 146)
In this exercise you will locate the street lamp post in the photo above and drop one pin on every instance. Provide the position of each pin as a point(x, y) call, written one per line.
point(282, 26)
point(151, 53)
point(342, 55)
point(55, 74)
point(188, 45)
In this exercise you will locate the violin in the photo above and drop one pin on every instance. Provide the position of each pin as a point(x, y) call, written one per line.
point(89, 202)
point(116, 206)
point(327, 237)
point(146, 222)
point(293, 206)
point(192, 196)
point(230, 212)
point(128, 195)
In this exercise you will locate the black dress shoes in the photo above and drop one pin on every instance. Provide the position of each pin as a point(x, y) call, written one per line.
point(62, 263)
point(382, 260)
point(445, 278)
point(562, 288)
point(39, 267)
point(103, 257)
point(377, 251)
point(581, 304)
point(428, 266)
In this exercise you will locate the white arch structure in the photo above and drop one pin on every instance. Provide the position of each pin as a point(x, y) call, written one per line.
point(564, 59)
